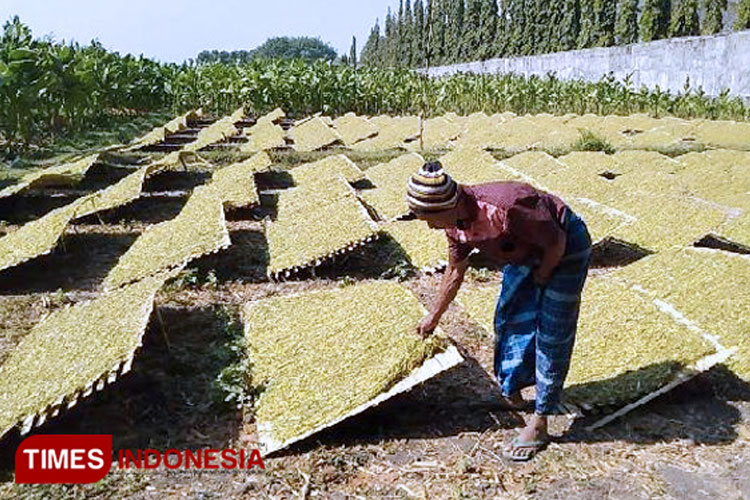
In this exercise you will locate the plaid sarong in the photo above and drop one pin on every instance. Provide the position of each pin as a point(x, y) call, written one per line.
point(535, 326)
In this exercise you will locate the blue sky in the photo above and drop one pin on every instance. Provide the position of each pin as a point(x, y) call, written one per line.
point(171, 30)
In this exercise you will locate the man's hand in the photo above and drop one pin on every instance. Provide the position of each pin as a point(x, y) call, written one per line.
point(427, 325)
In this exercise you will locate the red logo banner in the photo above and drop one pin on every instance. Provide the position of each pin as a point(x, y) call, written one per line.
point(63, 459)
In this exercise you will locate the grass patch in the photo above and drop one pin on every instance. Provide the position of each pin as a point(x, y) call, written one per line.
point(589, 141)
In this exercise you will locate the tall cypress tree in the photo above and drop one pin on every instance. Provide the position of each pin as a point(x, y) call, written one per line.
point(488, 16)
point(388, 51)
point(353, 53)
point(605, 15)
point(569, 25)
point(587, 31)
point(519, 29)
point(470, 39)
point(685, 21)
point(713, 21)
point(418, 35)
point(552, 28)
point(654, 23)
point(503, 30)
point(371, 50)
point(407, 40)
point(455, 33)
point(540, 27)
point(626, 30)
point(398, 56)
point(743, 16)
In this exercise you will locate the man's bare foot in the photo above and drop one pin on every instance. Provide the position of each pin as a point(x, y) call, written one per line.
point(531, 440)
point(513, 402)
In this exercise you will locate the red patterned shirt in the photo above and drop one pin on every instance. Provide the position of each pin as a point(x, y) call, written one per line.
point(508, 222)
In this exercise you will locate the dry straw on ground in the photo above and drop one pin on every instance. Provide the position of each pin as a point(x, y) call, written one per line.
point(313, 135)
point(309, 230)
point(427, 249)
point(389, 197)
point(708, 287)
point(236, 183)
point(59, 175)
point(353, 128)
point(197, 230)
point(72, 351)
point(322, 354)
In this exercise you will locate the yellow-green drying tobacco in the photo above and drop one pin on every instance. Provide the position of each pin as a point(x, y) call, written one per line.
point(321, 355)
point(123, 192)
point(353, 128)
point(327, 168)
point(37, 237)
point(389, 197)
point(197, 230)
point(708, 287)
point(475, 166)
point(721, 176)
point(66, 174)
point(313, 134)
point(264, 136)
point(73, 351)
point(235, 183)
point(216, 132)
point(723, 134)
point(620, 353)
point(426, 248)
point(306, 235)
point(393, 132)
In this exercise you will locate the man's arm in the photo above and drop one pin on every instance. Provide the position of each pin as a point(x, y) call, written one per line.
point(551, 258)
point(449, 285)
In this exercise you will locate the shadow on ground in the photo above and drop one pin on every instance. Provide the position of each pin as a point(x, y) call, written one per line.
point(168, 400)
point(79, 262)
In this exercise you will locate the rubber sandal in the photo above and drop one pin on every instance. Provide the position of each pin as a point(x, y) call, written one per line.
point(523, 451)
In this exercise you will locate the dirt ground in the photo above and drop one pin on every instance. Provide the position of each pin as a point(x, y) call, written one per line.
point(442, 440)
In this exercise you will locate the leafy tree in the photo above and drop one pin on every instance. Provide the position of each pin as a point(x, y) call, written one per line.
point(626, 30)
point(743, 16)
point(685, 20)
point(569, 28)
point(294, 48)
point(605, 15)
point(713, 21)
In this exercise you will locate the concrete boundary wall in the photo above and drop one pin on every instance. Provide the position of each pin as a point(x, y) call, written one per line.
point(715, 63)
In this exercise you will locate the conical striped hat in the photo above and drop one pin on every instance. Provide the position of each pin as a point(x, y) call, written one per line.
point(431, 189)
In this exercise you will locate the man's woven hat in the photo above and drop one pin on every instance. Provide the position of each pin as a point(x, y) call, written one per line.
point(431, 189)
